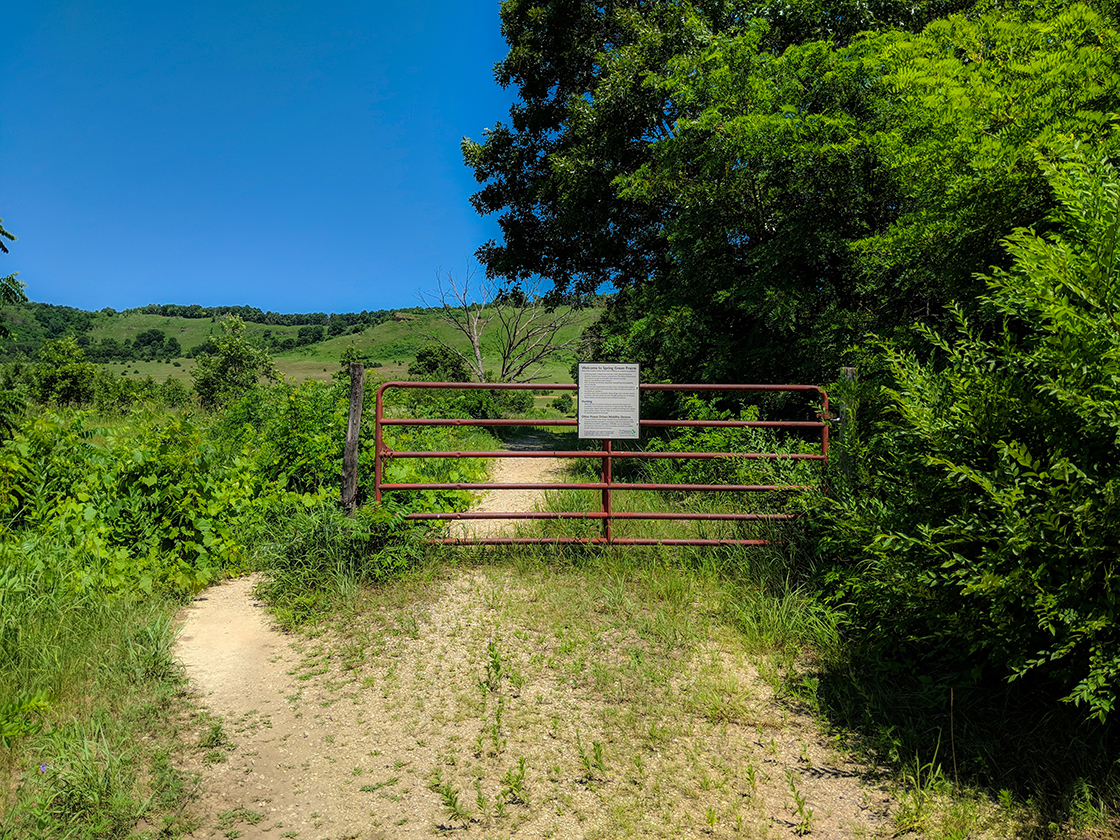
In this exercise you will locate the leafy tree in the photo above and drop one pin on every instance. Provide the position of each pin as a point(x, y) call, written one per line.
point(986, 538)
point(350, 353)
point(62, 375)
point(439, 363)
point(233, 366)
point(150, 338)
point(309, 334)
point(11, 289)
point(564, 404)
point(764, 187)
point(62, 320)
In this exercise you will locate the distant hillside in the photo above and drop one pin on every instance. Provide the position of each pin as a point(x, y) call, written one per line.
point(393, 344)
point(149, 339)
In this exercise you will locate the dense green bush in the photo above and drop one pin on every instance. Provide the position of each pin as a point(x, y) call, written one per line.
point(294, 434)
point(439, 364)
point(148, 504)
point(230, 365)
point(63, 376)
point(726, 439)
point(564, 404)
point(985, 539)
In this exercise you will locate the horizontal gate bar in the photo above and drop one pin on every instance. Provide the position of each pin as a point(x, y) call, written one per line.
point(598, 514)
point(572, 386)
point(585, 541)
point(570, 421)
point(587, 453)
point(591, 485)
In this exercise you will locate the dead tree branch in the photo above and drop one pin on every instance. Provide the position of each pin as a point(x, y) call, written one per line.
point(526, 331)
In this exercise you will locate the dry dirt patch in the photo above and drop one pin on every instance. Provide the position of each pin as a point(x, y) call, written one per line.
point(488, 708)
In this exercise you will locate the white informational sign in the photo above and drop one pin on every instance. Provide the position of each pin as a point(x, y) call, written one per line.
point(608, 402)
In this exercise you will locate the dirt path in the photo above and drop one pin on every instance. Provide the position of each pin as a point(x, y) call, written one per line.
point(491, 705)
point(511, 471)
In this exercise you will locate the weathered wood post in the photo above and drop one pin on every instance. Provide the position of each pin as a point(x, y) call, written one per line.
point(353, 430)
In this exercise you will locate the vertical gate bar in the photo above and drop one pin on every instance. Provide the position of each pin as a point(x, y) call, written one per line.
point(824, 429)
point(377, 446)
point(606, 501)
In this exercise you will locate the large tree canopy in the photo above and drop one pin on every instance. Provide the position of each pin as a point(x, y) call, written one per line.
point(763, 183)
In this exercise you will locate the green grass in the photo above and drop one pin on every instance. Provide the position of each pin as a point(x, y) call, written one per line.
point(189, 331)
point(393, 344)
point(159, 371)
point(95, 755)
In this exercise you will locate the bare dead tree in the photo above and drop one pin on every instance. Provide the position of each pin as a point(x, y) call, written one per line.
point(525, 333)
point(459, 309)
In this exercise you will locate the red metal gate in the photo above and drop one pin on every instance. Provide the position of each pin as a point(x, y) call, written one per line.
point(607, 454)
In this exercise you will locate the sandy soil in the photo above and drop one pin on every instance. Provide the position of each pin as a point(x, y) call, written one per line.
point(512, 471)
point(355, 735)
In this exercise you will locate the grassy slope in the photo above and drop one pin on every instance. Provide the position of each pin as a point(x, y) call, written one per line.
point(393, 343)
point(189, 331)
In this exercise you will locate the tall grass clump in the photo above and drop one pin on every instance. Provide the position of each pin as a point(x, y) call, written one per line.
point(315, 557)
point(82, 671)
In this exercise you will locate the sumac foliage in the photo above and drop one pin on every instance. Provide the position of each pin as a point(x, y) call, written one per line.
point(986, 537)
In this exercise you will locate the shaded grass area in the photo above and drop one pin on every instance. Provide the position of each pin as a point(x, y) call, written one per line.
point(982, 738)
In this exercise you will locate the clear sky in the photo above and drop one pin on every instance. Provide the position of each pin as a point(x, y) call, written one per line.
point(295, 156)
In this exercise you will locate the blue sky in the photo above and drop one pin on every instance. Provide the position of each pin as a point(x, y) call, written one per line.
point(295, 156)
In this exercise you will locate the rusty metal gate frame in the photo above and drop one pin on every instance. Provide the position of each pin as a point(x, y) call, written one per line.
point(607, 485)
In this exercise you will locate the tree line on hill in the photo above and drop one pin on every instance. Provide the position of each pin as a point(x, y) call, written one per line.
point(337, 323)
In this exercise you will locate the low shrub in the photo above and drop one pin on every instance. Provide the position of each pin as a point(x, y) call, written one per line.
point(314, 554)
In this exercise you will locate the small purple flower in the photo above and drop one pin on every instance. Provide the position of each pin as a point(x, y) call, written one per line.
point(43, 767)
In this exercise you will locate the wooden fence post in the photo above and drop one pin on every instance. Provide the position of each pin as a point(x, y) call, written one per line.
point(353, 429)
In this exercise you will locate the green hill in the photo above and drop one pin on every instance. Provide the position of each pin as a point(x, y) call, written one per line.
point(144, 342)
